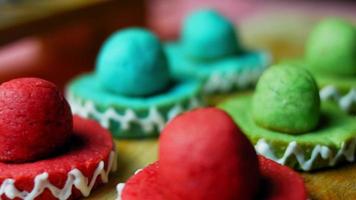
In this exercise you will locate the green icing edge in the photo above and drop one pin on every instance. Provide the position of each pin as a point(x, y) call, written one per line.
point(343, 84)
point(341, 129)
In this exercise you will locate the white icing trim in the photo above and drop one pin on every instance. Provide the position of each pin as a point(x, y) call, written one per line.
point(75, 178)
point(120, 189)
point(226, 81)
point(153, 119)
point(120, 186)
point(345, 102)
point(347, 150)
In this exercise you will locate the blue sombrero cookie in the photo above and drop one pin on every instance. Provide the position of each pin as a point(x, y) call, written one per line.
point(209, 50)
point(131, 92)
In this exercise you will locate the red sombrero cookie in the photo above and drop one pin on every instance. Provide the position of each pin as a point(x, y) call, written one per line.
point(204, 156)
point(45, 153)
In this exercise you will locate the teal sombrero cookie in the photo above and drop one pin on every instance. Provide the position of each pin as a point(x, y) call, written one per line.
point(209, 50)
point(330, 55)
point(287, 122)
point(131, 92)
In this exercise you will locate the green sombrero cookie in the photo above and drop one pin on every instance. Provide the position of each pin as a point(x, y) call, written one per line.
point(288, 123)
point(209, 50)
point(131, 92)
point(330, 55)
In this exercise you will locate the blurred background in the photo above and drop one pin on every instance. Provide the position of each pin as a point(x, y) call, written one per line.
point(57, 39)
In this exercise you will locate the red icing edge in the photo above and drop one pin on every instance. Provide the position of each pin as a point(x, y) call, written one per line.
point(144, 185)
point(90, 145)
point(279, 182)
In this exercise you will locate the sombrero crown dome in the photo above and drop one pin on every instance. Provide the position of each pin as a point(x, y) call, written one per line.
point(208, 34)
point(132, 63)
point(331, 48)
point(287, 100)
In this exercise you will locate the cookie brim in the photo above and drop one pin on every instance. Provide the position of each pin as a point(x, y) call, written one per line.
point(343, 84)
point(87, 87)
point(230, 73)
point(131, 117)
point(276, 183)
point(143, 185)
point(331, 143)
point(91, 151)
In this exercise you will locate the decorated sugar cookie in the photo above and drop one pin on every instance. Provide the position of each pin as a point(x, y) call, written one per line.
point(131, 91)
point(209, 50)
point(204, 156)
point(45, 153)
point(330, 55)
point(287, 123)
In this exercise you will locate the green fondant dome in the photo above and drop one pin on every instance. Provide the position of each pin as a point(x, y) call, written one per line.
point(331, 48)
point(286, 100)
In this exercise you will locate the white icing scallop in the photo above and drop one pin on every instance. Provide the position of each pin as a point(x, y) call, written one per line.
point(347, 150)
point(153, 119)
point(345, 101)
point(226, 81)
point(119, 189)
point(75, 178)
point(120, 186)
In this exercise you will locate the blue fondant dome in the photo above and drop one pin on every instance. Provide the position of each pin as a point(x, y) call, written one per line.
point(207, 34)
point(132, 62)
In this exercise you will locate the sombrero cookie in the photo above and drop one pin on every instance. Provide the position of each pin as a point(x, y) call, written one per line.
point(45, 153)
point(204, 156)
point(287, 123)
point(131, 91)
point(209, 50)
point(330, 55)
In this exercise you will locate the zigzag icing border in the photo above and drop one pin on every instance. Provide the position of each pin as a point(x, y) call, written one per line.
point(153, 119)
point(345, 102)
point(119, 189)
point(75, 178)
point(224, 82)
point(347, 150)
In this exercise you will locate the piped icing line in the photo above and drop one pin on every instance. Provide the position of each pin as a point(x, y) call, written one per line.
point(120, 186)
point(226, 81)
point(347, 150)
point(154, 118)
point(345, 101)
point(119, 189)
point(75, 178)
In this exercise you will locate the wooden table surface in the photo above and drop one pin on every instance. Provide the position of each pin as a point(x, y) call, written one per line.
point(328, 184)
